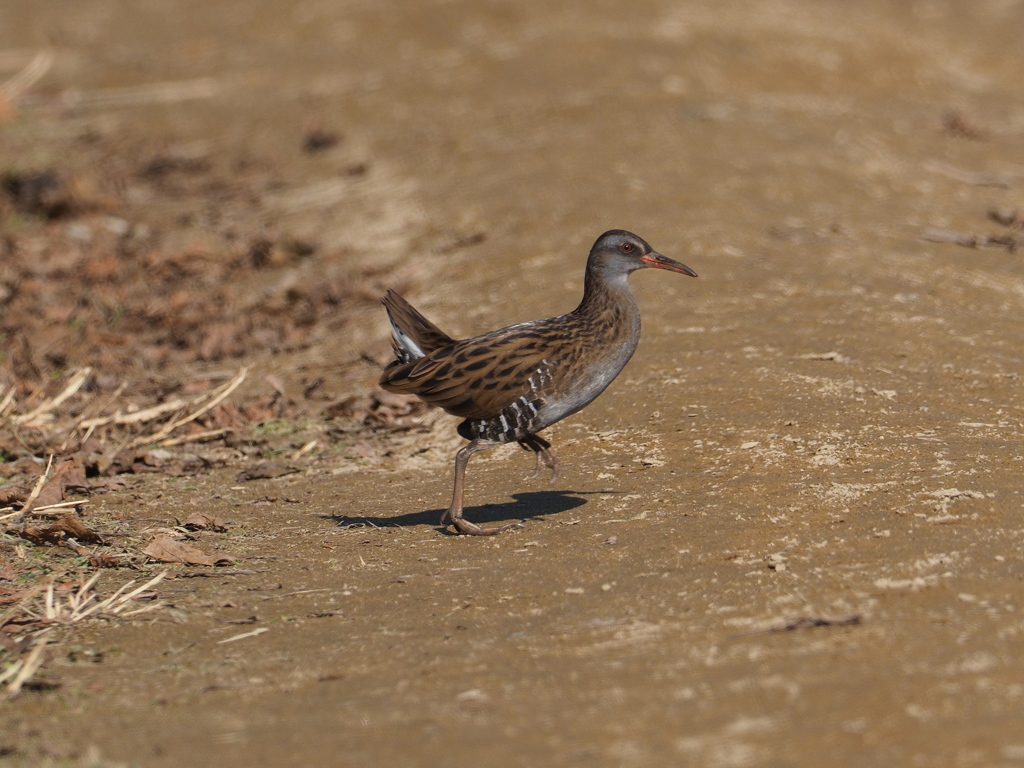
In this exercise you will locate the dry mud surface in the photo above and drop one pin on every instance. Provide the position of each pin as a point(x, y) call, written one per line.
point(789, 534)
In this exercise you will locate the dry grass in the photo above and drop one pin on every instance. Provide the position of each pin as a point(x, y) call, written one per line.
point(14, 88)
point(31, 500)
point(44, 610)
point(153, 425)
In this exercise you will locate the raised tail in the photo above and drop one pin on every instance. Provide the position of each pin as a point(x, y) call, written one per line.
point(413, 336)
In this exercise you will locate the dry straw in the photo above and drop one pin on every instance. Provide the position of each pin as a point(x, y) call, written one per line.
point(48, 609)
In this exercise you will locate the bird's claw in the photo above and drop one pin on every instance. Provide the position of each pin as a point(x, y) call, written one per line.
point(472, 529)
point(543, 453)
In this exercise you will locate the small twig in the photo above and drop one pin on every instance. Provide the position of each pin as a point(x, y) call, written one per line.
point(210, 433)
point(36, 490)
point(305, 449)
point(136, 417)
point(82, 604)
point(215, 400)
point(7, 403)
point(28, 76)
point(117, 601)
point(158, 93)
point(966, 239)
point(244, 635)
point(974, 178)
point(73, 386)
point(139, 590)
point(59, 505)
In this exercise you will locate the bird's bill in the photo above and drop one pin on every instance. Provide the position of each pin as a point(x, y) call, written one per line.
point(657, 261)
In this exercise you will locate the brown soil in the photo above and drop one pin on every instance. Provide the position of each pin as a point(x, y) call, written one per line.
point(786, 534)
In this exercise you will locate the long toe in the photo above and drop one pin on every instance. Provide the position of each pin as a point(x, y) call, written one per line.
point(536, 467)
point(472, 529)
point(553, 464)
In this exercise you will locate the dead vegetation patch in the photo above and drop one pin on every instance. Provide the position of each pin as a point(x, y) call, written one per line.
point(137, 285)
point(27, 626)
point(116, 322)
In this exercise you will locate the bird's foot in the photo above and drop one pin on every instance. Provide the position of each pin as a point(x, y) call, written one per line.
point(544, 453)
point(454, 517)
point(472, 529)
point(548, 459)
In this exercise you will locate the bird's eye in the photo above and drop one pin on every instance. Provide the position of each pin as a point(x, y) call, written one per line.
point(626, 247)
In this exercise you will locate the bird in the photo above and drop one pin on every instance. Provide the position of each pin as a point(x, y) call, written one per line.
point(511, 383)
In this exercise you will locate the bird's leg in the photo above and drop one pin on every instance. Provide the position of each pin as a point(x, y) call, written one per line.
point(542, 448)
point(454, 513)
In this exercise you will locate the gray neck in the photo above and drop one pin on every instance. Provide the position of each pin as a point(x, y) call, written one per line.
point(607, 297)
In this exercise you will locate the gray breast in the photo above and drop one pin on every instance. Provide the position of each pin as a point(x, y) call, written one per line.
point(586, 383)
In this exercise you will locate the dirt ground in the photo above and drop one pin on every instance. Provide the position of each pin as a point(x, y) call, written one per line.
point(785, 536)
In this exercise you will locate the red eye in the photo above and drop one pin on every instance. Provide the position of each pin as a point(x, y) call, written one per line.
point(626, 247)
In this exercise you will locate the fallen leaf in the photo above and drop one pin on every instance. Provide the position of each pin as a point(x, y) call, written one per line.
point(66, 527)
point(167, 550)
point(9, 595)
point(14, 494)
point(199, 521)
point(65, 475)
point(73, 527)
point(71, 476)
point(40, 536)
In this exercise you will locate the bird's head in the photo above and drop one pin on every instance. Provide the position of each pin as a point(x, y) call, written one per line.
point(618, 252)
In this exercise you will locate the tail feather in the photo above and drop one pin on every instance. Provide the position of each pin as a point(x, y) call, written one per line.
point(413, 336)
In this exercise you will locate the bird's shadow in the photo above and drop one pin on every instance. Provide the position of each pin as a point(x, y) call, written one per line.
point(528, 504)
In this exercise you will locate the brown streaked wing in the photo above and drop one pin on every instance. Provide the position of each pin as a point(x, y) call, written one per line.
point(488, 382)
